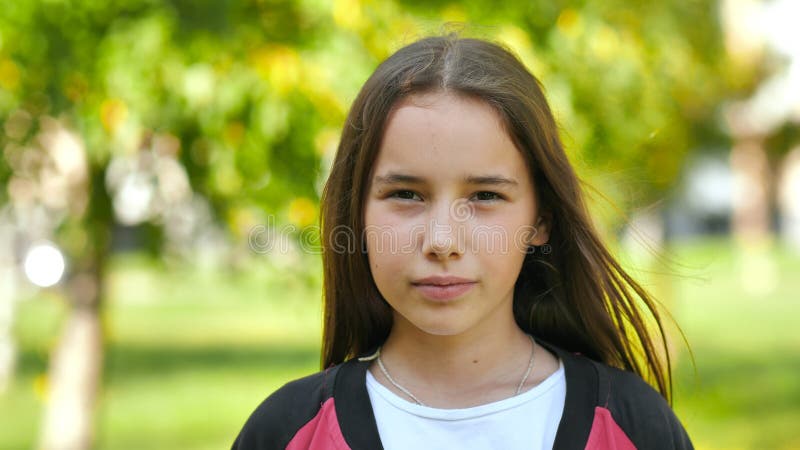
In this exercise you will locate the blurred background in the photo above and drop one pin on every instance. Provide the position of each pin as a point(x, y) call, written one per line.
point(162, 162)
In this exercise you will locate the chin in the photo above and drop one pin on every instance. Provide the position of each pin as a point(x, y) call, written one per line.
point(440, 332)
point(440, 329)
point(435, 323)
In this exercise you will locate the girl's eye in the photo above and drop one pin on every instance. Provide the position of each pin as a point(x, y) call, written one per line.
point(403, 195)
point(488, 196)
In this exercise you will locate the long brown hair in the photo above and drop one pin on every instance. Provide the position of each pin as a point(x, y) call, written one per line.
point(576, 296)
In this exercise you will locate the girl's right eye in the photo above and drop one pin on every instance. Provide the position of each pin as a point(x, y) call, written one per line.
point(403, 195)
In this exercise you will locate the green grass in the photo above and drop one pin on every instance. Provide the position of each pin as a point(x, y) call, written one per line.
point(190, 353)
point(740, 317)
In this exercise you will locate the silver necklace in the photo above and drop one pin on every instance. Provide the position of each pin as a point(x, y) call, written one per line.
point(413, 397)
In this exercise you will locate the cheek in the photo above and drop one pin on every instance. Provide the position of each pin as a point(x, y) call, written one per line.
point(390, 234)
point(501, 258)
point(389, 241)
point(500, 238)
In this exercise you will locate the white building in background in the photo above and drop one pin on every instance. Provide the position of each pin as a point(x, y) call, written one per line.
point(789, 199)
point(754, 28)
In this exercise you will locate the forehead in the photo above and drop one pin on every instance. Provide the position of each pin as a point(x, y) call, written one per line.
point(443, 136)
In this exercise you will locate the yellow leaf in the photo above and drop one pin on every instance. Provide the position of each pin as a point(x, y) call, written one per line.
point(9, 74)
point(113, 113)
point(569, 22)
point(279, 65)
point(302, 211)
point(454, 13)
point(40, 387)
point(347, 14)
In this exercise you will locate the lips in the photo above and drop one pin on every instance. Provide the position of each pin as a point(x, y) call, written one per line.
point(442, 280)
point(441, 288)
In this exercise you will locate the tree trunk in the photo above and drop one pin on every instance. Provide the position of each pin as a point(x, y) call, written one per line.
point(751, 198)
point(8, 348)
point(752, 217)
point(74, 377)
point(75, 370)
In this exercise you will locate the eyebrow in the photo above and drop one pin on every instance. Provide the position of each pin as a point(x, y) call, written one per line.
point(401, 178)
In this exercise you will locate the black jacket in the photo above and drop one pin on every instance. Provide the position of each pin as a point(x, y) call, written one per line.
point(605, 408)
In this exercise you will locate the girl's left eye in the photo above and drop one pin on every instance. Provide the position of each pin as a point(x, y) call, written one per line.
point(488, 196)
point(403, 194)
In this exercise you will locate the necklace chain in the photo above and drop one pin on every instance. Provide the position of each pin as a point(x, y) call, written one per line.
point(413, 397)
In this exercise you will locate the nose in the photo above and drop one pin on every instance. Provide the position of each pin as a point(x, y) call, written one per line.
point(444, 234)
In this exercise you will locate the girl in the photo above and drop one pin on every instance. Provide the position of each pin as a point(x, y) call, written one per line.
point(469, 302)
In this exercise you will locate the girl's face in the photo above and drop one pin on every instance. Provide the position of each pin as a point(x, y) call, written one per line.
point(449, 196)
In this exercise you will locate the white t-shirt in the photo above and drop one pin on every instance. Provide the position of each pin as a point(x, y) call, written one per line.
point(526, 421)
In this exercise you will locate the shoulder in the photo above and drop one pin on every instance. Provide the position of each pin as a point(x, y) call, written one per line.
point(639, 410)
point(609, 408)
point(280, 416)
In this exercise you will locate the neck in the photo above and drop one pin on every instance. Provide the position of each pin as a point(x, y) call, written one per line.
point(476, 364)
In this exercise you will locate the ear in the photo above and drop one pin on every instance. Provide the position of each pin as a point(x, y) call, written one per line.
point(542, 226)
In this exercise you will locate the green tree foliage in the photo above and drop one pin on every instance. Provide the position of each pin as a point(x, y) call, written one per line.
point(233, 82)
point(255, 91)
